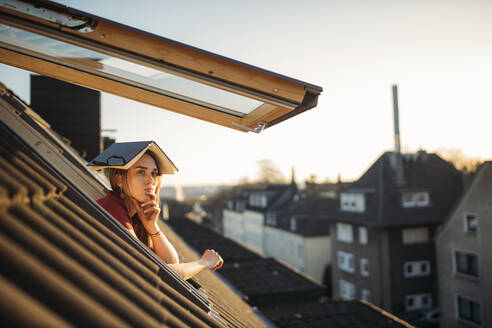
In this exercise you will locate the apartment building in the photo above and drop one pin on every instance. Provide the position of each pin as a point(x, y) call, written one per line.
point(245, 214)
point(464, 250)
point(300, 237)
point(383, 229)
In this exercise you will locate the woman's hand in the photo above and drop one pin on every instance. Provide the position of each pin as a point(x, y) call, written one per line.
point(211, 259)
point(148, 212)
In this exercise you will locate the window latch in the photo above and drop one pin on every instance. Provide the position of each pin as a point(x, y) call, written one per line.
point(258, 129)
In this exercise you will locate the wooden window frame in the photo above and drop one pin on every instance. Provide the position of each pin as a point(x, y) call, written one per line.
point(282, 97)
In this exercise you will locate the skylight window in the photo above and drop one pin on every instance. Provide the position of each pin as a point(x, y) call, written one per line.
point(125, 71)
point(110, 57)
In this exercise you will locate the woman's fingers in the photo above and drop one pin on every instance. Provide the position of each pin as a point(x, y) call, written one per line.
point(219, 264)
point(151, 195)
point(213, 259)
point(152, 209)
point(149, 202)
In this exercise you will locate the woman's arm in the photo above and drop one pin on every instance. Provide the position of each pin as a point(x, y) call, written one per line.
point(148, 212)
point(163, 247)
point(210, 260)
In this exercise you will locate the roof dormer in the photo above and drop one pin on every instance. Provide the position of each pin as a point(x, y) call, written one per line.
point(352, 202)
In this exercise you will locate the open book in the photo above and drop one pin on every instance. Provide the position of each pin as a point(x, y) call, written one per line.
point(123, 155)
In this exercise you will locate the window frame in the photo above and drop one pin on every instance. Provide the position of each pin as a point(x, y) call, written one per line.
point(345, 266)
point(293, 223)
point(409, 241)
point(340, 227)
point(416, 269)
point(465, 275)
point(364, 261)
point(365, 294)
point(365, 240)
point(282, 97)
point(353, 202)
point(417, 299)
point(410, 199)
point(467, 225)
point(343, 282)
point(465, 320)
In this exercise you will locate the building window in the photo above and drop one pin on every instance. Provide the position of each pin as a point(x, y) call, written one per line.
point(415, 235)
point(263, 201)
point(364, 267)
point(240, 206)
point(271, 218)
point(363, 239)
point(293, 224)
point(352, 202)
point(347, 290)
point(258, 200)
point(422, 199)
point(418, 302)
point(365, 295)
point(346, 262)
point(471, 223)
point(469, 310)
point(300, 250)
point(416, 269)
point(415, 199)
point(345, 232)
point(466, 263)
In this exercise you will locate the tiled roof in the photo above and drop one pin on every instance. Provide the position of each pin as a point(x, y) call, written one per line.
point(233, 310)
point(474, 179)
point(261, 280)
point(277, 196)
point(201, 238)
point(66, 262)
point(331, 314)
point(309, 214)
point(267, 281)
point(383, 197)
point(284, 296)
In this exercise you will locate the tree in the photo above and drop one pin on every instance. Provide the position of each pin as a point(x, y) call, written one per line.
point(269, 172)
point(312, 184)
point(459, 160)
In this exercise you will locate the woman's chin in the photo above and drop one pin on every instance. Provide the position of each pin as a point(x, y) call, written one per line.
point(140, 199)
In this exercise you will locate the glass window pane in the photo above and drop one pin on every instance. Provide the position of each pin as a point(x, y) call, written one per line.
point(476, 312)
point(126, 72)
point(460, 262)
point(473, 263)
point(464, 308)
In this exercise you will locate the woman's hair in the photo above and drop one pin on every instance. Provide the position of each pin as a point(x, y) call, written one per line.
point(124, 192)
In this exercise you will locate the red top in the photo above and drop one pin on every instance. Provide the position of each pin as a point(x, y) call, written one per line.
point(116, 207)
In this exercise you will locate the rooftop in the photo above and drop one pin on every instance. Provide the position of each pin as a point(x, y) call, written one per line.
point(422, 171)
point(283, 295)
point(69, 262)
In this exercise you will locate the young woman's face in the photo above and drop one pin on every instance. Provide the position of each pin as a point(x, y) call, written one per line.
point(143, 177)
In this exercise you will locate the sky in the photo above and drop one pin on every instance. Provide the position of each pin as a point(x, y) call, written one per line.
point(438, 52)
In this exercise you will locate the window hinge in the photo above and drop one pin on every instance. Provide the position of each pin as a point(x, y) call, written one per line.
point(258, 129)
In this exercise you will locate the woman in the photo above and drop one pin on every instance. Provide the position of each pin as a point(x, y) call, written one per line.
point(134, 203)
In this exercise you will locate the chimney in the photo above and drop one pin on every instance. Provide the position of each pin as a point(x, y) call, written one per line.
point(396, 157)
point(292, 175)
point(396, 119)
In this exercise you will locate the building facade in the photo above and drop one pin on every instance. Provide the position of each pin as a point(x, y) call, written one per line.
point(464, 253)
point(244, 217)
point(300, 237)
point(383, 229)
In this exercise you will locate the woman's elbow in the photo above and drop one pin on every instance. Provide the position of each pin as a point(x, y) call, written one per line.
point(173, 260)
